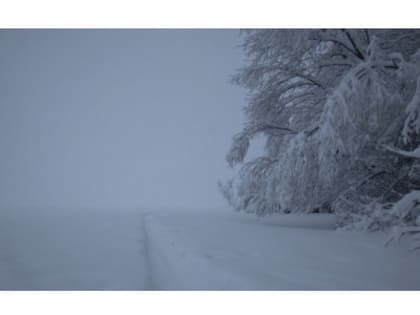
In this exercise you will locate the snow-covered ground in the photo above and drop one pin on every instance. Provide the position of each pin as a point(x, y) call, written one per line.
point(72, 250)
point(231, 251)
point(194, 250)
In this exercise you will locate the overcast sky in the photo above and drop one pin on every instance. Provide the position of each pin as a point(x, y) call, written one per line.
point(117, 117)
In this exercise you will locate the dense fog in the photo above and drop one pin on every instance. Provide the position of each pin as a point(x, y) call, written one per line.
point(116, 118)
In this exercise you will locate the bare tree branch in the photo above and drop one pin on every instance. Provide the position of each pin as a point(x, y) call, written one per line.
point(353, 43)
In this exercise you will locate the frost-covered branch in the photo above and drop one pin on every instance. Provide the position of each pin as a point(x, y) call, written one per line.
point(241, 141)
point(409, 154)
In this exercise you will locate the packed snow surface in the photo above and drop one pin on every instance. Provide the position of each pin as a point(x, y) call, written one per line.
point(194, 250)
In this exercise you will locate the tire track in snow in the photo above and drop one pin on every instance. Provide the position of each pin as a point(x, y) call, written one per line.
point(150, 282)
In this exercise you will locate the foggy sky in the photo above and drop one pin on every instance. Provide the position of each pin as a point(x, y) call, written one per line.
point(111, 118)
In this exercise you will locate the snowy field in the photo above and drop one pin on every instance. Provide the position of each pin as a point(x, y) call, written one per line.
point(194, 250)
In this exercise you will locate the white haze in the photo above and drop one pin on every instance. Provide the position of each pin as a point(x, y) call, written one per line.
point(106, 118)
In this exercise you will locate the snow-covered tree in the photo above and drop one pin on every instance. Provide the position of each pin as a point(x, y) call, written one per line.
point(328, 103)
point(288, 76)
point(399, 173)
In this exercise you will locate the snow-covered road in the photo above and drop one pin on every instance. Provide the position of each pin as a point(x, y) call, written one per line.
point(193, 250)
point(230, 251)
